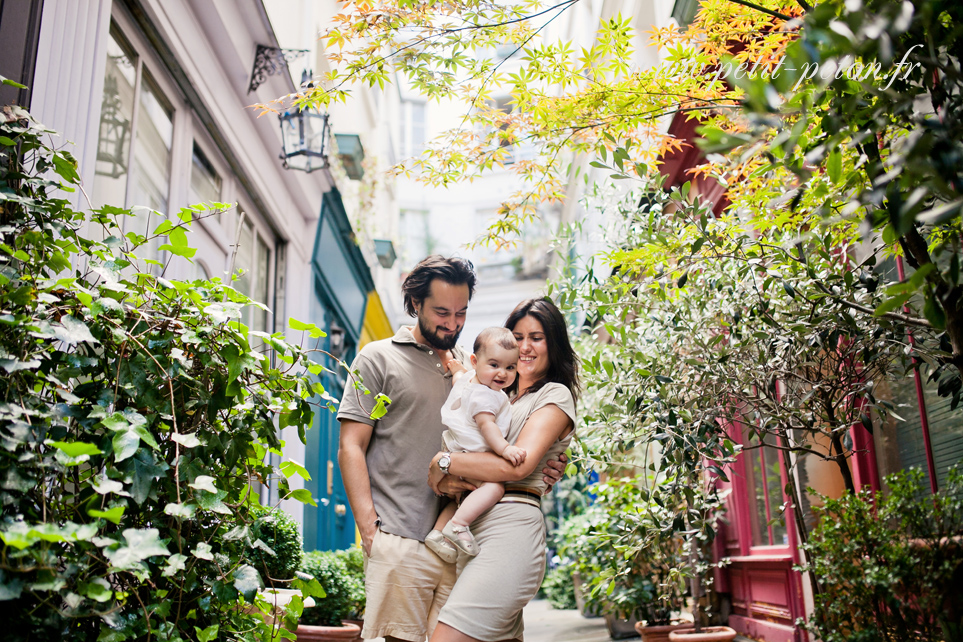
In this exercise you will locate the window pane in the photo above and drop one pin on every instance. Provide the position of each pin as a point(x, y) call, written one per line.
point(205, 183)
point(416, 240)
point(260, 295)
point(757, 495)
point(946, 430)
point(152, 159)
point(777, 518)
point(113, 141)
point(152, 149)
point(244, 260)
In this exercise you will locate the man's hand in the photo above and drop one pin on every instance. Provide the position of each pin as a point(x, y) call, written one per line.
point(514, 454)
point(367, 534)
point(442, 484)
point(553, 471)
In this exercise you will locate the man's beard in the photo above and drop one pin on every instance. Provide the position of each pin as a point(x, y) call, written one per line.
point(439, 342)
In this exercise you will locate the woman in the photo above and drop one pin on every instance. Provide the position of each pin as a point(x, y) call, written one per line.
point(492, 588)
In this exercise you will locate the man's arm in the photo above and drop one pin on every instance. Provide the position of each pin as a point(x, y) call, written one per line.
point(352, 446)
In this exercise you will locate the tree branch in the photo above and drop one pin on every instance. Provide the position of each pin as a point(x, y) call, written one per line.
point(769, 12)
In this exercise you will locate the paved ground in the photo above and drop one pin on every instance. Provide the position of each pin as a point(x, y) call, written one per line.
point(545, 624)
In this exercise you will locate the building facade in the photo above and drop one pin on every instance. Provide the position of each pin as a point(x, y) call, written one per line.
point(155, 100)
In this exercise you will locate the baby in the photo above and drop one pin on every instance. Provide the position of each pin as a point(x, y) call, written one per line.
point(478, 415)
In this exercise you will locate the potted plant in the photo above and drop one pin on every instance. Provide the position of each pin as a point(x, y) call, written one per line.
point(626, 561)
point(325, 621)
point(702, 506)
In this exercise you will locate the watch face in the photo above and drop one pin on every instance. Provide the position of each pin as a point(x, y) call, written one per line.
point(444, 463)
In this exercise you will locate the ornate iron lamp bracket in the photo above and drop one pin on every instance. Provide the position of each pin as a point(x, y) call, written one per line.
point(271, 60)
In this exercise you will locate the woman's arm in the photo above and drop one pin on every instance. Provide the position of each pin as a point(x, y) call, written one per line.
point(543, 428)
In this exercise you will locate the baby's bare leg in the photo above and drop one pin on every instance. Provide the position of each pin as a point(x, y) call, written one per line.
point(477, 502)
point(446, 514)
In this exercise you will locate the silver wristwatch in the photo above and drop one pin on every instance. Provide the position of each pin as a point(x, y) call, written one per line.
point(444, 462)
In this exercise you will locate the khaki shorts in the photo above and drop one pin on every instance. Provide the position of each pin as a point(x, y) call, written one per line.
point(406, 586)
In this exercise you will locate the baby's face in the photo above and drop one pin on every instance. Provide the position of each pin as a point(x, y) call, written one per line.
point(495, 366)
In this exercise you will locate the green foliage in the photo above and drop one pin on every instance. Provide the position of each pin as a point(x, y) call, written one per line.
point(891, 566)
point(559, 587)
point(880, 148)
point(353, 559)
point(628, 564)
point(330, 570)
point(277, 550)
point(134, 414)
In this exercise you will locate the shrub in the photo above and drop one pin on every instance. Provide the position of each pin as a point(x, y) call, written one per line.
point(890, 567)
point(626, 565)
point(559, 587)
point(277, 549)
point(134, 412)
point(330, 571)
point(353, 559)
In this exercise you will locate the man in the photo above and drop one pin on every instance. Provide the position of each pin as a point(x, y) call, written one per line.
point(384, 463)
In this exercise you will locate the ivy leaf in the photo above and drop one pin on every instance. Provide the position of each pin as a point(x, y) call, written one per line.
point(175, 564)
point(213, 502)
point(203, 551)
point(73, 331)
point(208, 634)
point(303, 495)
point(181, 511)
point(141, 544)
point(10, 587)
point(204, 482)
point(381, 406)
point(113, 515)
point(289, 468)
point(315, 331)
point(75, 448)
point(189, 440)
point(247, 581)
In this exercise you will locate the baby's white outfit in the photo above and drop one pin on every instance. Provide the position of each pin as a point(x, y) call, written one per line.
point(466, 400)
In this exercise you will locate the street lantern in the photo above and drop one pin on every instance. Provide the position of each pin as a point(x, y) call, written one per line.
point(304, 139)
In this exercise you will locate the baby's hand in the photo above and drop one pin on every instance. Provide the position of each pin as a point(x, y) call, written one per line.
point(515, 455)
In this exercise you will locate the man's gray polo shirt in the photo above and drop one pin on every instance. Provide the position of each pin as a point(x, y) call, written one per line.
point(408, 436)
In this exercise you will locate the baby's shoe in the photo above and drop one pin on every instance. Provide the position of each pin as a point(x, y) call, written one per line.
point(438, 545)
point(461, 537)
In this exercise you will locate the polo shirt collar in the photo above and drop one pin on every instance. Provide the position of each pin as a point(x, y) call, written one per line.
point(405, 335)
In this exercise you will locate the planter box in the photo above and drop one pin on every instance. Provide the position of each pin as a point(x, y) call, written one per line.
point(308, 633)
point(659, 632)
point(620, 628)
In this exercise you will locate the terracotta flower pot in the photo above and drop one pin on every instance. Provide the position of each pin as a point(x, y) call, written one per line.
point(659, 632)
point(308, 633)
point(707, 634)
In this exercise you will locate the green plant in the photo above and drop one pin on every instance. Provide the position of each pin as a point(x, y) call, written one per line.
point(626, 563)
point(353, 559)
point(277, 549)
point(134, 412)
point(559, 587)
point(891, 566)
point(329, 569)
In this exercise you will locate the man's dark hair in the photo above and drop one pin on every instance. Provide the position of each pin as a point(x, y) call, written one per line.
point(453, 270)
point(562, 360)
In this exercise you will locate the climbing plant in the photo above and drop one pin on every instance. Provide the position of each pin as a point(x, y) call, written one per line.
point(136, 413)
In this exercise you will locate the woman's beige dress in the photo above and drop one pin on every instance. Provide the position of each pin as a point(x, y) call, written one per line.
point(493, 588)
